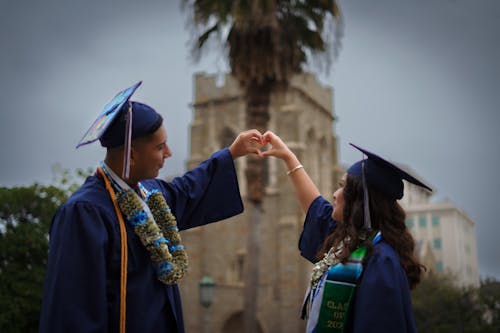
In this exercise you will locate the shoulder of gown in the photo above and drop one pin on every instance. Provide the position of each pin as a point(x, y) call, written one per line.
point(79, 239)
point(383, 301)
point(318, 224)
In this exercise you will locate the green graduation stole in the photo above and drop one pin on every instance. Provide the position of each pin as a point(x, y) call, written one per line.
point(339, 288)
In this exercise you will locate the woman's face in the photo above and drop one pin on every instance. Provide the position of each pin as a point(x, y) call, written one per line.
point(338, 201)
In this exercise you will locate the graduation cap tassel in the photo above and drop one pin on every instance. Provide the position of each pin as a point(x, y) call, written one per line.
point(366, 200)
point(128, 142)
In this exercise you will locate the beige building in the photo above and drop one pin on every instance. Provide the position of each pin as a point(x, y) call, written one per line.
point(447, 230)
point(303, 117)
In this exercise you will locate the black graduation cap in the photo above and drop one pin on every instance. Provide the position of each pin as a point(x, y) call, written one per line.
point(382, 175)
point(120, 122)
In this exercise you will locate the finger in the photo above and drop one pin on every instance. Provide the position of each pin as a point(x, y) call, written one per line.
point(255, 132)
point(268, 132)
point(270, 152)
point(261, 138)
point(246, 135)
point(255, 144)
point(254, 151)
point(268, 136)
point(258, 140)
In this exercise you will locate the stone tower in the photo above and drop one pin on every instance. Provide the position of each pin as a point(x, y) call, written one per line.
point(303, 117)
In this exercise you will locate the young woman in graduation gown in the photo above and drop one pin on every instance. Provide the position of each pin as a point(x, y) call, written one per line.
point(381, 300)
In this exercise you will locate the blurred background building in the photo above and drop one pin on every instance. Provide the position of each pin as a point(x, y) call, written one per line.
point(303, 117)
point(445, 229)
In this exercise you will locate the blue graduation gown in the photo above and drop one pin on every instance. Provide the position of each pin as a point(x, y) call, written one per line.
point(382, 302)
point(82, 287)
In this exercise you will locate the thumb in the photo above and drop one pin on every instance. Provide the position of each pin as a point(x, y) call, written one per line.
point(255, 151)
point(269, 152)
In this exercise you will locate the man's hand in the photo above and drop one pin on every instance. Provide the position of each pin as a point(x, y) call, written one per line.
point(247, 142)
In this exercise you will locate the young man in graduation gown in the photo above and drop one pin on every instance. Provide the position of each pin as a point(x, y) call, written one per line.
point(115, 254)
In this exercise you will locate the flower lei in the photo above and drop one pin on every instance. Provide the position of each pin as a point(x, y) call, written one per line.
point(156, 226)
point(330, 258)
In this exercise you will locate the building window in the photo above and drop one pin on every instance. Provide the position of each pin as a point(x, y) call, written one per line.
point(435, 221)
point(239, 267)
point(422, 222)
point(439, 266)
point(437, 243)
point(410, 223)
point(236, 269)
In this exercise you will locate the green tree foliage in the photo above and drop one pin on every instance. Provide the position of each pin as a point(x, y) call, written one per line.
point(489, 300)
point(442, 307)
point(25, 217)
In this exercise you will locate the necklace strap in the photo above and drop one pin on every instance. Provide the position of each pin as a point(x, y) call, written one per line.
point(120, 186)
point(116, 181)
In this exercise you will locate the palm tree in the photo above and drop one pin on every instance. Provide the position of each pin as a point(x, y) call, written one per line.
point(267, 41)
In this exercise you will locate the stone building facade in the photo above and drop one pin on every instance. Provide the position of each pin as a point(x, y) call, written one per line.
point(304, 118)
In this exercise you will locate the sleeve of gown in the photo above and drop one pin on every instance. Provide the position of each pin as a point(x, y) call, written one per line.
point(206, 194)
point(380, 297)
point(317, 226)
point(74, 296)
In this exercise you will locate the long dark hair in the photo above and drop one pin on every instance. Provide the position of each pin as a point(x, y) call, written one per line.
point(386, 215)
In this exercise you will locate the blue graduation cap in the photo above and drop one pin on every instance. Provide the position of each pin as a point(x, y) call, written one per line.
point(111, 110)
point(384, 176)
point(120, 122)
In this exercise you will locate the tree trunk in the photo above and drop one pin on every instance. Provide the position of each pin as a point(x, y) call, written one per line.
point(257, 116)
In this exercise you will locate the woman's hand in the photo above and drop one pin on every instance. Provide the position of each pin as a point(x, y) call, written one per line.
point(304, 187)
point(279, 149)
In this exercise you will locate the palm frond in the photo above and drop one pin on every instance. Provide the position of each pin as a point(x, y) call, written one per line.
point(269, 39)
point(206, 35)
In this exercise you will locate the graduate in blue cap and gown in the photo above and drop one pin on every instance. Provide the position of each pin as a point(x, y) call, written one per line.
point(363, 254)
point(115, 254)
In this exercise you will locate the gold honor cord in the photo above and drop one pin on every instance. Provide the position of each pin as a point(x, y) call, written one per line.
point(124, 253)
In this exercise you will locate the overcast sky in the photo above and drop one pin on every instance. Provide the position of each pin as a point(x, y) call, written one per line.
point(416, 80)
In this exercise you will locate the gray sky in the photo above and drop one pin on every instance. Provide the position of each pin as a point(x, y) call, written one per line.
point(417, 81)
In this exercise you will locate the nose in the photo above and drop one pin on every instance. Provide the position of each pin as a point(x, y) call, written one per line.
point(167, 152)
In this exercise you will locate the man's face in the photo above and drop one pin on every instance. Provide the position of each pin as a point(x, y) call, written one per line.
point(148, 155)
